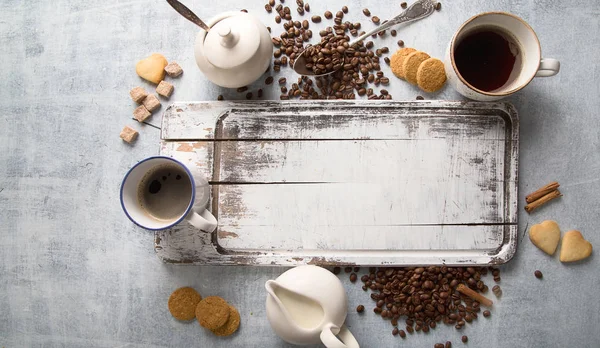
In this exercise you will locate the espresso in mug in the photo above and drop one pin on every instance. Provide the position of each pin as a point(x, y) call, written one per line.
point(488, 58)
point(165, 192)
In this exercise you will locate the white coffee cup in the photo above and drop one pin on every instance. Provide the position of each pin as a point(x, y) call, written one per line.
point(531, 62)
point(184, 196)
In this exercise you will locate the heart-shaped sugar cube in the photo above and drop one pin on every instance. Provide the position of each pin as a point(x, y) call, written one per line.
point(545, 236)
point(574, 247)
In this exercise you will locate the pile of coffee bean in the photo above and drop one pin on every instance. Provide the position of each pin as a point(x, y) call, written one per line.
point(355, 67)
point(426, 296)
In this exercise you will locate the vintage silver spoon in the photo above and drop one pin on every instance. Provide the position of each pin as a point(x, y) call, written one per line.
point(187, 13)
point(420, 9)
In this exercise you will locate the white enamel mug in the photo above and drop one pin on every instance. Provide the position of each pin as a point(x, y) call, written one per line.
point(190, 201)
point(532, 64)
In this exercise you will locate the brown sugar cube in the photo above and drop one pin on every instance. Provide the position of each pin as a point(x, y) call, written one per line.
point(138, 94)
point(129, 134)
point(151, 102)
point(173, 69)
point(165, 89)
point(141, 113)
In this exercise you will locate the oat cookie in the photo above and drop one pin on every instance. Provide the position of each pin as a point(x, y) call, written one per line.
point(410, 65)
point(232, 324)
point(183, 302)
point(397, 60)
point(431, 75)
point(212, 312)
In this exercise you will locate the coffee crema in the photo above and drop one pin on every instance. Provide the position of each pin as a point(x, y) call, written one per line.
point(487, 57)
point(165, 192)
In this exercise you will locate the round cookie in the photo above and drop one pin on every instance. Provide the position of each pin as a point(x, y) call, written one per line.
point(431, 75)
point(232, 324)
point(397, 60)
point(411, 65)
point(183, 302)
point(212, 312)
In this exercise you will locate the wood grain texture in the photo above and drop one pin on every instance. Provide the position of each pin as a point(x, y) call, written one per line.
point(292, 180)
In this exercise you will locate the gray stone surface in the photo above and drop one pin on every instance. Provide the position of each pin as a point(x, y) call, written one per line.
point(74, 272)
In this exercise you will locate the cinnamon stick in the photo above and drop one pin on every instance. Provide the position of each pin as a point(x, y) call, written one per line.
point(545, 199)
point(474, 295)
point(541, 192)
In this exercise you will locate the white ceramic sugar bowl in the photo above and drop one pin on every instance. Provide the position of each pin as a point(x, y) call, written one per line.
point(236, 50)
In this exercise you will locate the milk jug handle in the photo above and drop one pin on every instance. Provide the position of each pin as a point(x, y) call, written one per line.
point(345, 339)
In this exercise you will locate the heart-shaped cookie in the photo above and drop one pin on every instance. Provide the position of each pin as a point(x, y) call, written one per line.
point(152, 68)
point(574, 247)
point(545, 236)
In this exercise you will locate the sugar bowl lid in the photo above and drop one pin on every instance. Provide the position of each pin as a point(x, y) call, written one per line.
point(232, 41)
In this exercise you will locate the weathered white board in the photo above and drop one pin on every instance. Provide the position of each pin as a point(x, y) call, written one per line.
point(332, 182)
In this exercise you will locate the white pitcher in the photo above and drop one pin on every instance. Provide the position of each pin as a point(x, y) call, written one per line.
point(308, 304)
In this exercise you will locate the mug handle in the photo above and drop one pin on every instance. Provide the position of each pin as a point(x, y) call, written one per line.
point(204, 221)
point(548, 67)
point(345, 339)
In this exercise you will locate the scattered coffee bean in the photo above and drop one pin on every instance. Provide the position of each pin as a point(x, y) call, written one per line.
point(348, 269)
point(272, 2)
point(386, 60)
point(438, 6)
point(366, 12)
point(282, 80)
point(328, 14)
point(438, 345)
point(259, 94)
point(353, 277)
point(300, 10)
point(307, 7)
point(538, 274)
point(269, 80)
point(242, 89)
point(448, 344)
point(395, 331)
point(400, 43)
point(465, 339)
point(316, 19)
point(268, 7)
point(375, 19)
point(402, 333)
point(220, 97)
point(277, 19)
point(336, 270)
point(249, 95)
point(339, 14)
point(360, 308)
point(345, 9)
point(403, 4)
point(283, 89)
point(497, 290)
point(497, 279)
point(393, 32)
point(284, 97)
point(486, 313)
point(244, 10)
point(356, 269)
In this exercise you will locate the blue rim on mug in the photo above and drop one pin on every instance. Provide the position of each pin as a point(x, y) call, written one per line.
point(187, 210)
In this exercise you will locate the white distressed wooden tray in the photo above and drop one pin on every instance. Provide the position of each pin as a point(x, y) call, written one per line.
point(348, 182)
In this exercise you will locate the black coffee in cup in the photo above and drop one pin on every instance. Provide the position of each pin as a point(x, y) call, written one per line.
point(487, 58)
point(165, 192)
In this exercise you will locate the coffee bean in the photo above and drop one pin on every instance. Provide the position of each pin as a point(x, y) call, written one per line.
point(497, 279)
point(336, 270)
point(353, 277)
point(366, 12)
point(400, 43)
point(282, 80)
point(300, 10)
point(328, 14)
point(465, 339)
point(360, 308)
point(242, 89)
point(307, 7)
point(268, 7)
point(438, 6)
point(284, 97)
point(438, 345)
point(259, 93)
point(497, 290)
point(345, 9)
point(448, 344)
point(538, 274)
point(277, 19)
point(393, 32)
point(348, 269)
point(385, 50)
point(220, 97)
point(339, 14)
point(244, 10)
point(395, 331)
point(300, 2)
point(249, 95)
point(375, 19)
point(377, 310)
point(486, 313)
point(272, 2)
point(316, 19)
point(283, 89)
point(403, 5)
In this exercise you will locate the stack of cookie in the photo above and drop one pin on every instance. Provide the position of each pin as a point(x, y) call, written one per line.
point(213, 312)
point(418, 68)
